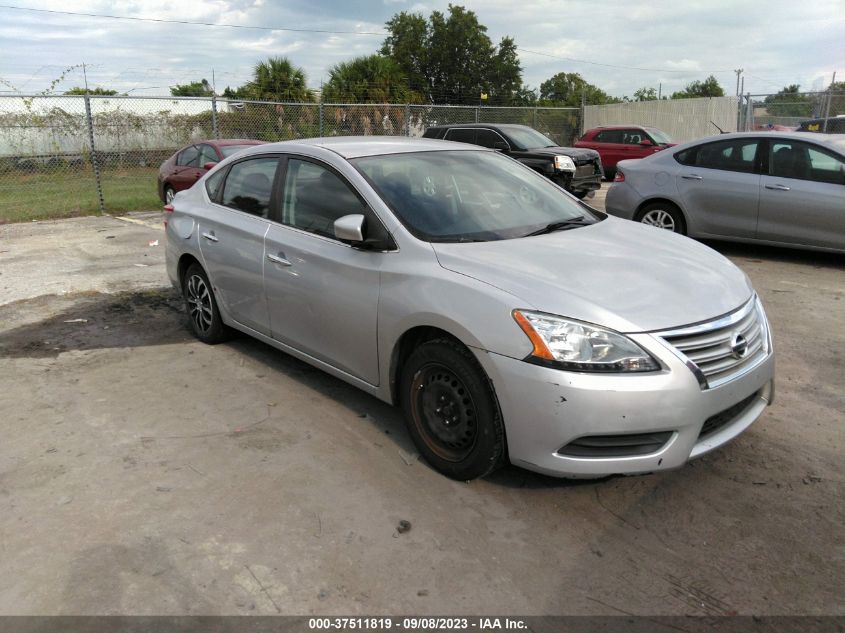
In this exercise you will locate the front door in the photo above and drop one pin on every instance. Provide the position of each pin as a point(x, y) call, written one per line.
point(322, 293)
point(802, 197)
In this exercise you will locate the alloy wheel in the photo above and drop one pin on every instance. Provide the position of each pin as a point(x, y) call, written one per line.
point(659, 218)
point(198, 298)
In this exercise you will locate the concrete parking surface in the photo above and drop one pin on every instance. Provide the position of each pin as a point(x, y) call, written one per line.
point(142, 472)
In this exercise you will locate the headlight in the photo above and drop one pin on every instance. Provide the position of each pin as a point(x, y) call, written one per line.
point(564, 163)
point(577, 346)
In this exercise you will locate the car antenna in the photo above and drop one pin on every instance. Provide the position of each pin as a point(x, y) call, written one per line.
point(721, 131)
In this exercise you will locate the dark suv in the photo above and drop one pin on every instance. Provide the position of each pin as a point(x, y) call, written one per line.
point(578, 171)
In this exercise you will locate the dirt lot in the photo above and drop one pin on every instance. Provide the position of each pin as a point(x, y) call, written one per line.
point(142, 472)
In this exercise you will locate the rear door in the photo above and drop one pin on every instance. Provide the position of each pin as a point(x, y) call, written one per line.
point(232, 232)
point(719, 183)
point(802, 197)
point(322, 293)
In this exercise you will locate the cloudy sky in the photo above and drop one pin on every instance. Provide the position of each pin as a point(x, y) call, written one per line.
point(619, 46)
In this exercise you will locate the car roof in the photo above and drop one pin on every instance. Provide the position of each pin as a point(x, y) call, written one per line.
point(234, 141)
point(624, 127)
point(825, 139)
point(357, 146)
point(499, 126)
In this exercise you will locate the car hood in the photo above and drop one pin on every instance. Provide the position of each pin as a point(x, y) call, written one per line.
point(575, 153)
point(616, 273)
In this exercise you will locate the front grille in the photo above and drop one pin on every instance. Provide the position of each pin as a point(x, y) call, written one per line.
point(716, 422)
point(586, 168)
point(610, 446)
point(723, 349)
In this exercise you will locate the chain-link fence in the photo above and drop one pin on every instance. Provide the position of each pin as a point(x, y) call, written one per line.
point(75, 155)
point(808, 111)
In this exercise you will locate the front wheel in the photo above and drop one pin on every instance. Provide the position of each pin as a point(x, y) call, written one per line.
point(451, 410)
point(581, 194)
point(663, 215)
point(168, 194)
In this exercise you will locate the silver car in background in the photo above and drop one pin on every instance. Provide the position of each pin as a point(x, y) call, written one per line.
point(510, 321)
point(784, 189)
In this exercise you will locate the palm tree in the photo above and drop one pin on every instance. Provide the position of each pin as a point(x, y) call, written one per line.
point(369, 79)
point(277, 79)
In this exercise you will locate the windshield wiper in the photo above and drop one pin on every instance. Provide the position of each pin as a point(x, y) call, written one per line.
point(562, 225)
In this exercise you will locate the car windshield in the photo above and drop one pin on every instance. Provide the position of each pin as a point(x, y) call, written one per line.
point(228, 150)
point(526, 138)
point(659, 135)
point(469, 196)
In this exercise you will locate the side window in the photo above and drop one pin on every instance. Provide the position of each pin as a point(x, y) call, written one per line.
point(794, 159)
point(189, 157)
point(632, 137)
point(488, 138)
point(609, 136)
point(461, 135)
point(315, 197)
point(212, 184)
point(731, 155)
point(207, 155)
point(687, 156)
point(249, 185)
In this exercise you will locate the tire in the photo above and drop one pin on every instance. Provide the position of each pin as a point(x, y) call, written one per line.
point(451, 410)
point(201, 306)
point(609, 174)
point(169, 192)
point(663, 215)
point(581, 194)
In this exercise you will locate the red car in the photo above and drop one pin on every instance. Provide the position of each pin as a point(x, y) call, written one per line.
point(190, 163)
point(620, 142)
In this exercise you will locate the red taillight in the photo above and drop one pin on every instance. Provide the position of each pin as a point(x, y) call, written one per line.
point(168, 209)
point(619, 177)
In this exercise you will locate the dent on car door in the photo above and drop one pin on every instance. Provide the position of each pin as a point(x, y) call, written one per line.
point(719, 185)
point(802, 196)
point(231, 236)
point(322, 293)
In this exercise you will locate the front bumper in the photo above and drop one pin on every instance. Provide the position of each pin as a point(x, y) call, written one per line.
point(546, 409)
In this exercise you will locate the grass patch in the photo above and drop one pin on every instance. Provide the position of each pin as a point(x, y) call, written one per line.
point(51, 194)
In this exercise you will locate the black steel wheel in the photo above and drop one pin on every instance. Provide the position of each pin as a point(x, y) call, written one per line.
point(203, 314)
point(451, 410)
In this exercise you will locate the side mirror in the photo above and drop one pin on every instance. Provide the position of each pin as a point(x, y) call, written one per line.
point(501, 145)
point(646, 142)
point(208, 166)
point(350, 228)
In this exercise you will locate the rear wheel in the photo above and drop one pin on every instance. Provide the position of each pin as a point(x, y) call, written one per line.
point(451, 410)
point(201, 305)
point(663, 215)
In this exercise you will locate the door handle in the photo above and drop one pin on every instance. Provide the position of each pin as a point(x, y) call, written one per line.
point(279, 259)
point(692, 177)
point(210, 237)
point(778, 187)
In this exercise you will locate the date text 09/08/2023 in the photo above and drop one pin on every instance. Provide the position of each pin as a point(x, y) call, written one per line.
point(415, 624)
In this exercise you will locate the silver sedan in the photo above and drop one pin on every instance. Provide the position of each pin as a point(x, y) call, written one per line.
point(784, 189)
point(510, 321)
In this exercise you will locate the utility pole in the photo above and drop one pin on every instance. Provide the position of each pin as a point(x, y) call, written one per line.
point(738, 72)
point(829, 99)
